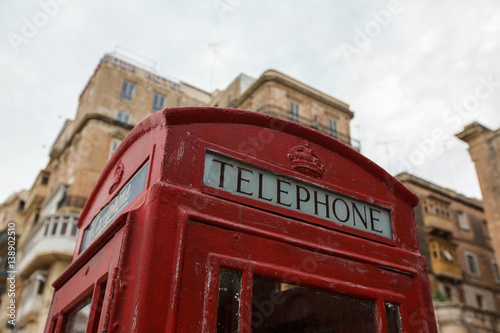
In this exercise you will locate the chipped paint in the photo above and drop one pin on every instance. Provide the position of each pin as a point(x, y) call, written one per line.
point(160, 259)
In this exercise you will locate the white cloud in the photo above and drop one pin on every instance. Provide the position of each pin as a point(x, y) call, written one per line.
point(426, 59)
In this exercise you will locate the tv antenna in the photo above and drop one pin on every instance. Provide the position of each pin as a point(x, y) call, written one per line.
point(386, 144)
point(214, 47)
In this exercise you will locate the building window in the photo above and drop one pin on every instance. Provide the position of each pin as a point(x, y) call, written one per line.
point(123, 117)
point(472, 264)
point(486, 230)
point(44, 180)
point(128, 89)
point(462, 221)
point(447, 256)
point(294, 112)
point(479, 301)
point(42, 279)
point(115, 143)
point(496, 274)
point(21, 205)
point(332, 126)
point(447, 291)
point(158, 101)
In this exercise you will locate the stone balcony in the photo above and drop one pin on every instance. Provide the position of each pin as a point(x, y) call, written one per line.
point(308, 121)
point(443, 258)
point(439, 223)
point(29, 306)
point(447, 269)
point(460, 318)
point(52, 239)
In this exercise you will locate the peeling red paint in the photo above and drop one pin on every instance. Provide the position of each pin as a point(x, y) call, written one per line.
point(160, 258)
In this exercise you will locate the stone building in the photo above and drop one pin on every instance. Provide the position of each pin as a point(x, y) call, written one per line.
point(12, 213)
point(280, 95)
point(457, 243)
point(118, 95)
point(484, 149)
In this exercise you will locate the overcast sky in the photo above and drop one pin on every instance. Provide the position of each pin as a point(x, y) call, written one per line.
point(406, 68)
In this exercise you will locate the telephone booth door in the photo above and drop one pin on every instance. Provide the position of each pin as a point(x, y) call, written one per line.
point(83, 301)
point(243, 280)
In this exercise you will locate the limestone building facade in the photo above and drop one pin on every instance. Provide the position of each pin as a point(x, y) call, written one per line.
point(11, 211)
point(119, 94)
point(456, 240)
point(280, 95)
point(484, 149)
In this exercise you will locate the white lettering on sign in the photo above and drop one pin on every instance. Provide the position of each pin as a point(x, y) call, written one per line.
point(242, 179)
point(111, 211)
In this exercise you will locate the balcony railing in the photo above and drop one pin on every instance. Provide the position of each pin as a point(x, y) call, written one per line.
point(74, 201)
point(439, 223)
point(280, 112)
point(59, 197)
point(53, 237)
point(459, 317)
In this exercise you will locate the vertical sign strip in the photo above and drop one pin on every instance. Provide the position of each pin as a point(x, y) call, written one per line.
point(109, 213)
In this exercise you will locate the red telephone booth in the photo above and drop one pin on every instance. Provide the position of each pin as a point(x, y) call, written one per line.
point(221, 220)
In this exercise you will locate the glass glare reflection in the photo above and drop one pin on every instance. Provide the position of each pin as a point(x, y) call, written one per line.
point(78, 319)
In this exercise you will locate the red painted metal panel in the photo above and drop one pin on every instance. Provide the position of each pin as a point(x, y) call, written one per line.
point(159, 259)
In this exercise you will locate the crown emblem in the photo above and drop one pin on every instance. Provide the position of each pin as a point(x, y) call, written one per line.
point(117, 177)
point(305, 161)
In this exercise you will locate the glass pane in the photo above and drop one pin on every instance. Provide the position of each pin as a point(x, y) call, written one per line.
point(281, 307)
point(78, 319)
point(393, 318)
point(229, 301)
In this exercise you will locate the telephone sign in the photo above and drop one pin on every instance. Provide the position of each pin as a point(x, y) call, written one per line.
point(246, 180)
